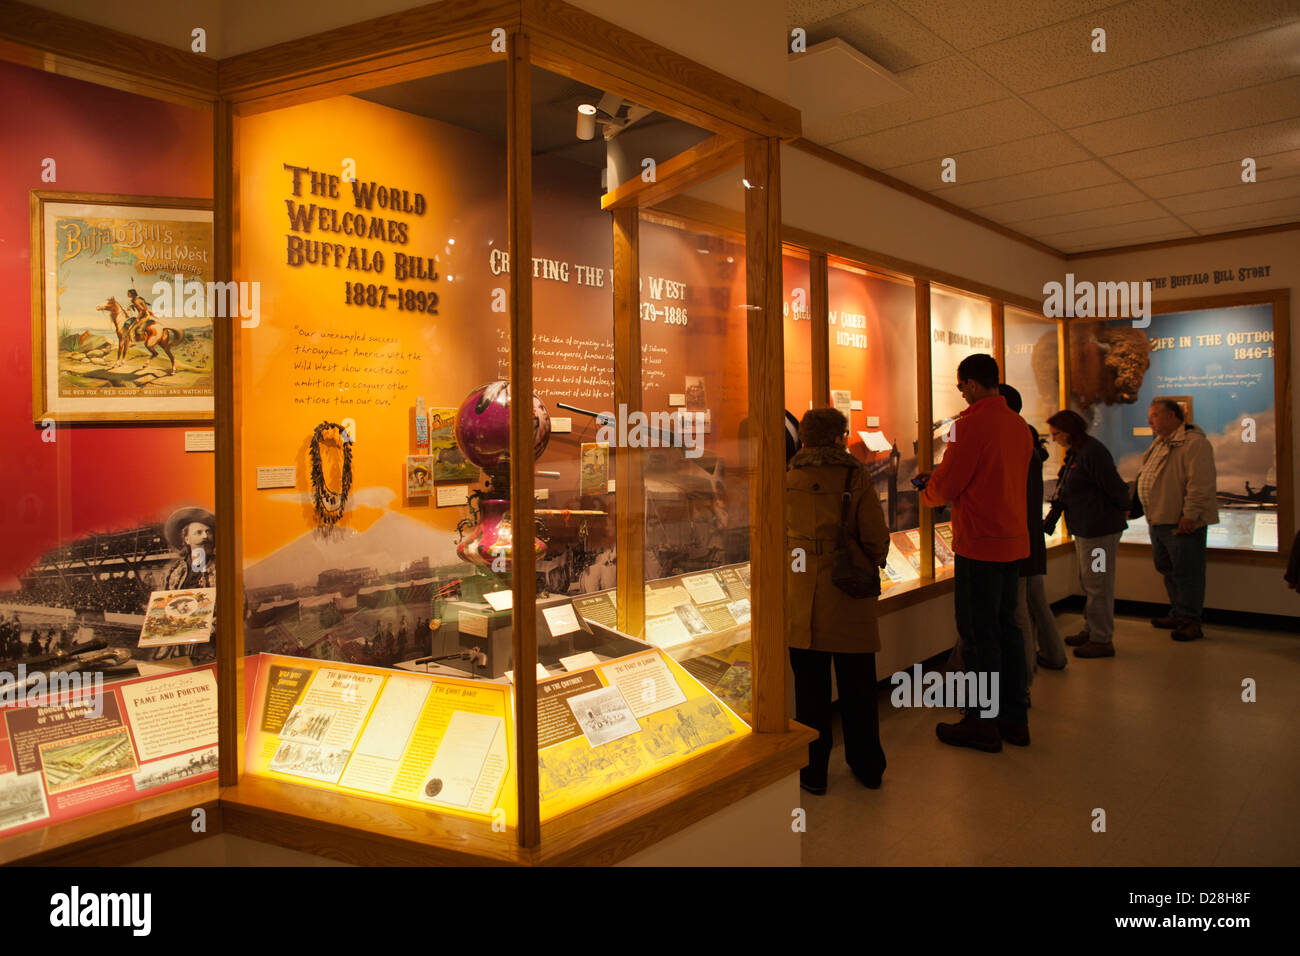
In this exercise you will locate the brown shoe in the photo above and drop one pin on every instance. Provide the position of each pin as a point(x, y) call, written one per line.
point(1075, 640)
point(1187, 630)
point(972, 732)
point(1096, 649)
point(1013, 733)
point(1164, 623)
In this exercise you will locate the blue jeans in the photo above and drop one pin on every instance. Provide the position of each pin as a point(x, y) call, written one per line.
point(1180, 558)
point(985, 597)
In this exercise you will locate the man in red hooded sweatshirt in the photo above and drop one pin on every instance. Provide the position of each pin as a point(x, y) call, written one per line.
point(983, 474)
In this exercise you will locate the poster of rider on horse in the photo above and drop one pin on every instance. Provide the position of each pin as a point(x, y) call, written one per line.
point(109, 346)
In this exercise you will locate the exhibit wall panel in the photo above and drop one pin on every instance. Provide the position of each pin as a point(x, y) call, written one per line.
point(1234, 266)
point(58, 486)
point(797, 327)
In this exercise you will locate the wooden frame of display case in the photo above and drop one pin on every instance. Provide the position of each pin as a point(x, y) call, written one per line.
point(749, 127)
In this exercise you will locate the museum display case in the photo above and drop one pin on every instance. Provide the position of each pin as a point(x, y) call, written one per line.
point(872, 333)
point(509, 617)
point(1029, 346)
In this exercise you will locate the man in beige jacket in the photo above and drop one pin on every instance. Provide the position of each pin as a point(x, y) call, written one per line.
point(1177, 486)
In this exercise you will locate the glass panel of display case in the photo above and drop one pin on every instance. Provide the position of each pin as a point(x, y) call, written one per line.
point(797, 305)
point(1030, 347)
point(1218, 366)
point(872, 363)
point(960, 325)
point(377, 530)
point(107, 533)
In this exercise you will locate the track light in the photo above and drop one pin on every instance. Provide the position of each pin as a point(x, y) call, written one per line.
point(586, 121)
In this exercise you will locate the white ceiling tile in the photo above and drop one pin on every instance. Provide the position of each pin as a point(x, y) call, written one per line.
point(966, 25)
point(1242, 194)
point(1140, 211)
point(805, 13)
point(1027, 185)
point(886, 34)
point(1281, 210)
point(1101, 237)
point(1222, 113)
point(1220, 175)
point(986, 125)
point(1062, 202)
point(1207, 150)
point(994, 162)
point(1247, 61)
point(943, 86)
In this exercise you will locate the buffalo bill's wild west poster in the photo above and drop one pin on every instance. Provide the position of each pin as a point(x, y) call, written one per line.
point(122, 308)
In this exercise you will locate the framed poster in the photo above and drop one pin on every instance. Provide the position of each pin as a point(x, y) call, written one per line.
point(123, 301)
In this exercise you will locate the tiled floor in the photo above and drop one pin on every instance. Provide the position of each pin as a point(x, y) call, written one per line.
point(1158, 737)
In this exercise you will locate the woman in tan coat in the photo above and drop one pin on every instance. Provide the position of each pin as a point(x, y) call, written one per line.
point(824, 624)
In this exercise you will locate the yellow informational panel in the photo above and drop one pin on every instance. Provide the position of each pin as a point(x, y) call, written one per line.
point(607, 727)
point(432, 742)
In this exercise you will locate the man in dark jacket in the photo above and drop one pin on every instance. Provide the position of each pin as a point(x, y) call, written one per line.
point(1033, 612)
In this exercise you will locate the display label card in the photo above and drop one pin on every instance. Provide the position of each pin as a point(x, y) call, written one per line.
point(277, 476)
point(201, 441)
point(451, 496)
point(666, 631)
point(873, 421)
point(541, 494)
point(646, 683)
point(576, 662)
point(704, 588)
point(1142, 431)
point(739, 610)
point(841, 399)
point(856, 404)
point(561, 619)
point(599, 608)
point(473, 623)
point(500, 600)
point(1265, 530)
point(875, 441)
point(610, 487)
point(561, 425)
point(677, 399)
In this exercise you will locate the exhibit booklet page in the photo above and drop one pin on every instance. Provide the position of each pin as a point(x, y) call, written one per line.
point(75, 751)
point(411, 738)
point(607, 727)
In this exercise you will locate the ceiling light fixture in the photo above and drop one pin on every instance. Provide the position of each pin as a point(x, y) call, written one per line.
point(586, 121)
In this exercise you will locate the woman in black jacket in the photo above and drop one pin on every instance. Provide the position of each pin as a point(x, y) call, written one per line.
point(1095, 500)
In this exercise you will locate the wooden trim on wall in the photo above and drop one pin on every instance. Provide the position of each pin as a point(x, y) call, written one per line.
point(574, 43)
point(1284, 405)
point(999, 338)
point(49, 41)
point(698, 164)
point(628, 480)
point(425, 41)
point(519, 200)
point(227, 433)
point(925, 422)
point(766, 349)
point(1189, 241)
point(875, 175)
point(819, 304)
